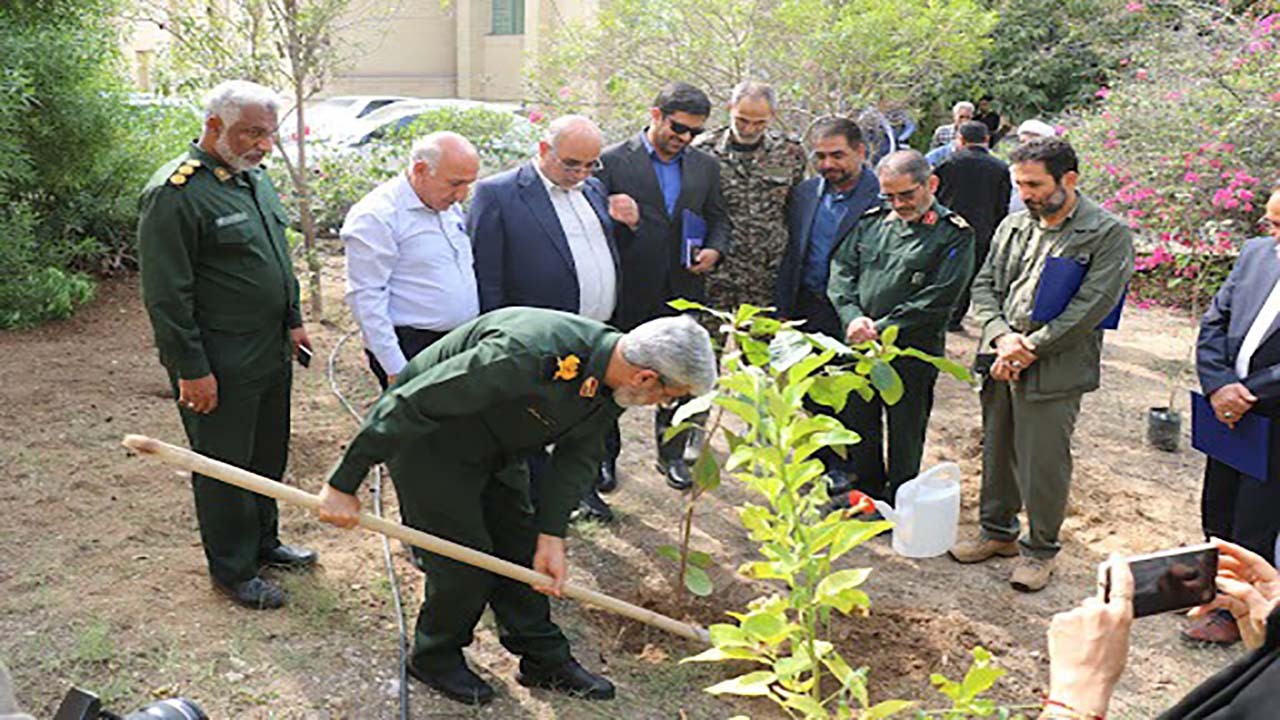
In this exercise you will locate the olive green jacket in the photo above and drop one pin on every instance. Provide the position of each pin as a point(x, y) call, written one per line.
point(217, 280)
point(1069, 347)
point(509, 382)
point(904, 274)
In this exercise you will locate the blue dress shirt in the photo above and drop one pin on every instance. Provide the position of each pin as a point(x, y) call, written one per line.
point(668, 173)
point(832, 210)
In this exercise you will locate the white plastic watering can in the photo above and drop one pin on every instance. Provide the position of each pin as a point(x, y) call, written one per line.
point(926, 512)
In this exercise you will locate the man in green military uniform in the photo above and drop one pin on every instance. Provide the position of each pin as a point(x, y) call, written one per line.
point(454, 430)
point(1041, 369)
point(758, 169)
point(219, 287)
point(905, 263)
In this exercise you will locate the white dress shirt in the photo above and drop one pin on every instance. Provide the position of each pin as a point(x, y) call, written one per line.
point(1257, 331)
point(597, 276)
point(407, 265)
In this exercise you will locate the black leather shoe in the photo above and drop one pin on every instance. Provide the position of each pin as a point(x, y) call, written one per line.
point(838, 482)
point(571, 679)
point(676, 473)
point(254, 593)
point(608, 480)
point(592, 507)
point(287, 557)
point(458, 684)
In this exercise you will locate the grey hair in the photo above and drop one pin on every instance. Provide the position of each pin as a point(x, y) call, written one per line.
point(677, 348)
point(428, 148)
point(753, 89)
point(963, 105)
point(905, 162)
point(568, 123)
point(226, 99)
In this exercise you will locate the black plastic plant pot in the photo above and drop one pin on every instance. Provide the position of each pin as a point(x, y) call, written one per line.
point(1164, 428)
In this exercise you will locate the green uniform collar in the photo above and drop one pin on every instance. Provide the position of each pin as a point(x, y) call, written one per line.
point(220, 170)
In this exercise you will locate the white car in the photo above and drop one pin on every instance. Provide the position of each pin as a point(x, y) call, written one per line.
point(401, 114)
point(329, 118)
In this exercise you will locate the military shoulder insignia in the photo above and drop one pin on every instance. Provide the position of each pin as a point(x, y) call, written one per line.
point(178, 179)
point(564, 368)
point(222, 174)
point(589, 387)
point(874, 210)
point(958, 221)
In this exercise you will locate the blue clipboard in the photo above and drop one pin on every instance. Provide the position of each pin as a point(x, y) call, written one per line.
point(693, 234)
point(1060, 282)
point(1246, 448)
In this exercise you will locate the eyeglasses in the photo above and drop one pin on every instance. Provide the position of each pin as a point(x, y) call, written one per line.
point(904, 196)
point(590, 167)
point(1266, 224)
point(680, 128)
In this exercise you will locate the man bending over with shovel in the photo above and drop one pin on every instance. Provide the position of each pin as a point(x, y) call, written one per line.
point(454, 429)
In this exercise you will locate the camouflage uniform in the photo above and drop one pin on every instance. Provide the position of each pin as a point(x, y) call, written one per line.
point(756, 184)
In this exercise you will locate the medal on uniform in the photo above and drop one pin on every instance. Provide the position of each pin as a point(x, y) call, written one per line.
point(589, 387)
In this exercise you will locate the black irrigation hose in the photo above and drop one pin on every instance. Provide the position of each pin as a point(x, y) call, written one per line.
point(386, 541)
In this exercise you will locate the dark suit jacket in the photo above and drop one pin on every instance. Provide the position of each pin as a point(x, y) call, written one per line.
point(522, 256)
point(1223, 327)
point(976, 184)
point(651, 253)
point(1244, 690)
point(802, 206)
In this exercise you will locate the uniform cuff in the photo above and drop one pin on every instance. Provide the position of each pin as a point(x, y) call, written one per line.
point(347, 477)
point(194, 366)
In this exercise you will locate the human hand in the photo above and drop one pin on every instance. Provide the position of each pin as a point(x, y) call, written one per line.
point(862, 329)
point(338, 508)
point(298, 336)
point(704, 260)
point(1004, 372)
point(1015, 349)
point(199, 395)
point(623, 208)
point(549, 559)
point(391, 380)
point(1088, 646)
point(1249, 589)
point(1231, 402)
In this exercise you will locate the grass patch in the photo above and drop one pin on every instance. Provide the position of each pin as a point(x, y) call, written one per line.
point(94, 643)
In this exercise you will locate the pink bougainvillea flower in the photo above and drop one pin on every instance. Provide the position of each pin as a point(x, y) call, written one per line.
point(1103, 92)
point(536, 116)
point(1191, 177)
point(1141, 74)
point(1275, 97)
point(1135, 7)
point(564, 92)
point(1143, 304)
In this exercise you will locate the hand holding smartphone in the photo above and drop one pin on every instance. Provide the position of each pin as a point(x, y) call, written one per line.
point(304, 356)
point(1170, 580)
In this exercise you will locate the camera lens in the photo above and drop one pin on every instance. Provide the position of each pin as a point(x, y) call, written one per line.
point(171, 709)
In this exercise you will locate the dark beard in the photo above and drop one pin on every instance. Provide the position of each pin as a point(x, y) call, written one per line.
point(1052, 205)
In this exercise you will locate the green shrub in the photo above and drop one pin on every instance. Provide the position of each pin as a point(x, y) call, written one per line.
point(34, 287)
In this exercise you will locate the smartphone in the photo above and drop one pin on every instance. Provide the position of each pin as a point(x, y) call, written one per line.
point(304, 356)
point(1170, 580)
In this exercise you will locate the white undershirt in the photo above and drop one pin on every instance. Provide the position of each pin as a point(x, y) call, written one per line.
point(1258, 330)
point(597, 277)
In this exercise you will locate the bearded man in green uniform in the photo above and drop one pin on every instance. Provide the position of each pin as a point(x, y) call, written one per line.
point(219, 287)
point(905, 263)
point(1041, 370)
point(454, 430)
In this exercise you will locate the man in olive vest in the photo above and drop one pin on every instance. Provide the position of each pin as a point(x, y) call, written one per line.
point(219, 288)
point(1040, 370)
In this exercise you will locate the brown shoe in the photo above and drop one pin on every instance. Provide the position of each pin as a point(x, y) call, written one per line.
point(983, 548)
point(1032, 574)
point(1216, 628)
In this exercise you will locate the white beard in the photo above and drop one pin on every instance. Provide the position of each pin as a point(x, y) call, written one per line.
point(235, 162)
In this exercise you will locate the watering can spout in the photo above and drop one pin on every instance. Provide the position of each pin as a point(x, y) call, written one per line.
point(888, 513)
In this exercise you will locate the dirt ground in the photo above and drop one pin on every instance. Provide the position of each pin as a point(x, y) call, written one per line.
point(102, 581)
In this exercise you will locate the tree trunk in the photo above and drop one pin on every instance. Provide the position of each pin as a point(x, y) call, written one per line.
point(302, 185)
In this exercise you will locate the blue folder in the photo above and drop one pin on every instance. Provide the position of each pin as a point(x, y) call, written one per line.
point(1246, 448)
point(693, 233)
point(1060, 282)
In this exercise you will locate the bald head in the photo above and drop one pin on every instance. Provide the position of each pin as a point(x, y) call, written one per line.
point(442, 167)
point(570, 150)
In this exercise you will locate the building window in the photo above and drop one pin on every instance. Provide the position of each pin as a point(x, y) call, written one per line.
point(508, 17)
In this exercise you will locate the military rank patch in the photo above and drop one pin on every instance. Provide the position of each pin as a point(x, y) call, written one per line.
point(178, 179)
point(567, 367)
point(958, 221)
point(589, 387)
point(222, 174)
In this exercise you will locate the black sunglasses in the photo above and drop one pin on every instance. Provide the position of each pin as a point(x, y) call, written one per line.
point(682, 129)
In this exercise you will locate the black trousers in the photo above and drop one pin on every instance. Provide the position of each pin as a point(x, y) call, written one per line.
point(412, 341)
point(1241, 509)
point(820, 316)
point(981, 247)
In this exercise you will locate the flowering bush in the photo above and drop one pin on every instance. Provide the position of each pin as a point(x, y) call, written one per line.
point(1182, 143)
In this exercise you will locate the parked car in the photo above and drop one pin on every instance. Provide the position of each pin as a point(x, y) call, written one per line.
point(396, 116)
point(329, 118)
